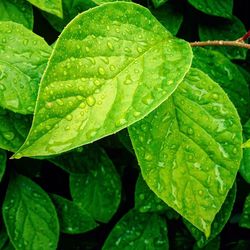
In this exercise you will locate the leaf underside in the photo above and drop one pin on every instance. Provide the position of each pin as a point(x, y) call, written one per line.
point(189, 149)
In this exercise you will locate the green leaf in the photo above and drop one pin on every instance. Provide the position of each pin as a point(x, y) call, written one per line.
point(98, 189)
point(3, 159)
point(138, 231)
point(29, 215)
point(107, 79)
point(23, 58)
point(8, 246)
point(245, 165)
point(14, 129)
point(224, 72)
point(219, 222)
point(124, 138)
point(99, 2)
point(158, 3)
point(246, 144)
point(18, 11)
point(224, 30)
point(214, 7)
point(245, 216)
point(53, 6)
point(147, 201)
point(3, 237)
point(73, 220)
point(212, 245)
point(189, 149)
point(169, 16)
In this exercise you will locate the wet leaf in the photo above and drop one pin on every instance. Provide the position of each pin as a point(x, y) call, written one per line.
point(14, 129)
point(98, 189)
point(245, 216)
point(245, 165)
point(3, 160)
point(224, 72)
point(189, 149)
point(72, 219)
point(23, 58)
point(158, 3)
point(219, 222)
point(138, 231)
point(29, 216)
point(18, 11)
point(214, 7)
point(107, 80)
point(224, 30)
point(53, 6)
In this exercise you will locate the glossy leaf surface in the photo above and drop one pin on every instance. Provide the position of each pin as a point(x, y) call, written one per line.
point(245, 217)
point(3, 159)
point(98, 189)
point(23, 58)
point(108, 79)
point(29, 216)
point(224, 72)
point(72, 219)
point(224, 30)
point(18, 11)
point(14, 129)
point(52, 6)
point(138, 231)
point(213, 7)
point(189, 149)
point(219, 222)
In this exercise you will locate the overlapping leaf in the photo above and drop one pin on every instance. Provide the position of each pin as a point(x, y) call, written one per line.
point(189, 149)
point(245, 217)
point(29, 216)
point(158, 3)
point(18, 11)
point(138, 231)
point(102, 79)
point(3, 159)
point(23, 58)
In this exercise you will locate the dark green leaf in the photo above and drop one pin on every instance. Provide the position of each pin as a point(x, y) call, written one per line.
point(72, 219)
point(245, 217)
point(219, 8)
point(124, 138)
point(3, 159)
point(29, 216)
point(189, 149)
point(245, 165)
point(158, 3)
point(98, 189)
point(138, 231)
point(3, 237)
point(102, 79)
point(224, 72)
point(224, 30)
point(18, 11)
point(23, 58)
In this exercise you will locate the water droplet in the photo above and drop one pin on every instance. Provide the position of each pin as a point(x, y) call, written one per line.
point(190, 131)
point(215, 96)
point(82, 105)
point(200, 192)
point(112, 67)
point(2, 87)
point(110, 45)
point(136, 113)
point(90, 134)
point(18, 155)
point(97, 82)
point(120, 122)
point(8, 135)
point(101, 71)
point(148, 99)
point(139, 49)
point(25, 41)
point(87, 49)
point(48, 105)
point(142, 196)
point(59, 102)
point(148, 156)
point(170, 82)
point(90, 101)
point(128, 80)
point(69, 117)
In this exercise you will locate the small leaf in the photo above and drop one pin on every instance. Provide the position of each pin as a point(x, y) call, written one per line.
point(214, 7)
point(29, 216)
point(138, 231)
point(246, 144)
point(73, 220)
point(219, 222)
point(245, 217)
point(224, 72)
point(53, 6)
point(108, 79)
point(169, 16)
point(189, 149)
point(18, 11)
point(23, 57)
point(14, 129)
point(158, 3)
point(98, 189)
point(3, 159)
point(224, 30)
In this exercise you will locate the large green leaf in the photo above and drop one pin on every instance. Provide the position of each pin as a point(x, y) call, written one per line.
point(73, 219)
point(52, 6)
point(138, 231)
point(101, 79)
point(224, 72)
point(18, 11)
point(245, 217)
point(219, 222)
point(189, 149)
point(98, 189)
point(29, 216)
point(224, 30)
point(23, 58)
point(14, 129)
point(3, 159)
point(214, 7)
